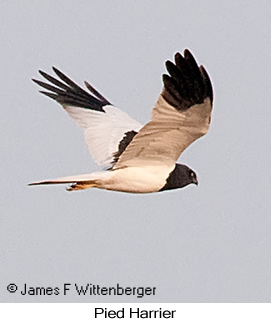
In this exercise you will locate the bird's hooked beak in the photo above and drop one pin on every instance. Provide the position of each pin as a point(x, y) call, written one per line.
point(195, 181)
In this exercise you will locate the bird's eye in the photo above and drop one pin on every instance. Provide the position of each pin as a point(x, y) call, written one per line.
point(192, 174)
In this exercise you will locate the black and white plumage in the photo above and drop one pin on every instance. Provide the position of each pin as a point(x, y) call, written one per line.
point(138, 159)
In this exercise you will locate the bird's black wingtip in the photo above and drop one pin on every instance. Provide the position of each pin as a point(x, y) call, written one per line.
point(43, 74)
point(66, 92)
point(187, 53)
point(209, 87)
point(55, 69)
point(187, 83)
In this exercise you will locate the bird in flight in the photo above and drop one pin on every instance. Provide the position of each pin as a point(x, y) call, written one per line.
point(138, 158)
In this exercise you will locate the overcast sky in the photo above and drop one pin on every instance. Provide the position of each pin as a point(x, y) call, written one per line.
point(209, 243)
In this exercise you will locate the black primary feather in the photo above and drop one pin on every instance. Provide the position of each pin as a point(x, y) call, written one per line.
point(70, 93)
point(187, 84)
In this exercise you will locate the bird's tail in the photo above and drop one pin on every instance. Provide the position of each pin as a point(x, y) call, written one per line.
point(78, 182)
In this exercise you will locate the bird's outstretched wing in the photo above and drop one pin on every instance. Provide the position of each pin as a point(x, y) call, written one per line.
point(181, 115)
point(106, 128)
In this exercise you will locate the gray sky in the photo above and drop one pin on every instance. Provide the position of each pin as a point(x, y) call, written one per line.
point(209, 243)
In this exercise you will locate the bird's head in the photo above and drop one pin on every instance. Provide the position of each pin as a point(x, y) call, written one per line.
point(180, 177)
point(193, 177)
point(185, 175)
